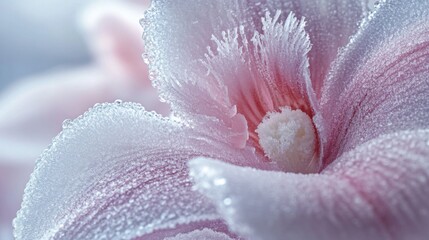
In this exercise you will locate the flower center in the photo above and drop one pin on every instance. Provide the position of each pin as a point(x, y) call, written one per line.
point(288, 138)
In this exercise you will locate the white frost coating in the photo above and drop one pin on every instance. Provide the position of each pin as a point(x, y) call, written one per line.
point(206, 234)
point(380, 80)
point(288, 138)
point(192, 23)
point(117, 172)
point(387, 176)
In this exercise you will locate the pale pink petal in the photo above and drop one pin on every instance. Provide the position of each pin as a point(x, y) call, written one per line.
point(113, 33)
point(206, 234)
point(118, 171)
point(262, 74)
point(380, 83)
point(13, 177)
point(245, 78)
point(31, 112)
point(377, 191)
point(207, 228)
point(35, 108)
point(330, 25)
point(177, 34)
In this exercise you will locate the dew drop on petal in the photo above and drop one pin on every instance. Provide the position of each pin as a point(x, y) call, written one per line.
point(220, 181)
point(227, 201)
point(145, 58)
point(66, 123)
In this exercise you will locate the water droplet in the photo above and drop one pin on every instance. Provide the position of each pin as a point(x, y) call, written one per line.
point(66, 123)
point(227, 201)
point(219, 181)
point(118, 101)
point(145, 57)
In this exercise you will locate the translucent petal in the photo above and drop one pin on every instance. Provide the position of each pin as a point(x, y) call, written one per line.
point(380, 82)
point(376, 191)
point(113, 34)
point(117, 172)
point(32, 111)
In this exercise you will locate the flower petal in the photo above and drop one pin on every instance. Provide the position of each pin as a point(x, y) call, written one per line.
point(117, 172)
point(13, 177)
point(32, 111)
point(376, 191)
point(330, 24)
point(114, 36)
point(192, 23)
point(380, 83)
point(263, 74)
point(206, 234)
point(216, 228)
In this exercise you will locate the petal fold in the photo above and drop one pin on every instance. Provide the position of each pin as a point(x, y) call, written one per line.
point(117, 172)
point(192, 23)
point(265, 73)
point(191, 84)
point(376, 191)
point(380, 82)
point(205, 234)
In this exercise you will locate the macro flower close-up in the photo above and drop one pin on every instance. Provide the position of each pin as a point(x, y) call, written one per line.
point(290, 119)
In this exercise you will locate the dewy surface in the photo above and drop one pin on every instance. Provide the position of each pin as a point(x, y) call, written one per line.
point(376, 108)
point(380, 82)
point(194, 22)
point(200, 93)
point(377, 191)
point(116, 172)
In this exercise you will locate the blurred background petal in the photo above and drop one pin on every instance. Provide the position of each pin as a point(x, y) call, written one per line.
point(57, 60)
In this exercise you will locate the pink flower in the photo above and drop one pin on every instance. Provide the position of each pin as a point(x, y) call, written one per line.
point(32, 112)
point(310, 142)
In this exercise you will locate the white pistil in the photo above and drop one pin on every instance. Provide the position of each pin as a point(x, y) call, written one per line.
point(288, 138)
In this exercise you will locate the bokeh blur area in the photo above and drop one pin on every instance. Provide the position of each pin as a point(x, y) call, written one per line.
point(57, 59)
point(38, 36)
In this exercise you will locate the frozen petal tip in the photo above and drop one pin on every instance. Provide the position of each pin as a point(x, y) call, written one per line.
point(115, 172)
point(378, 191)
